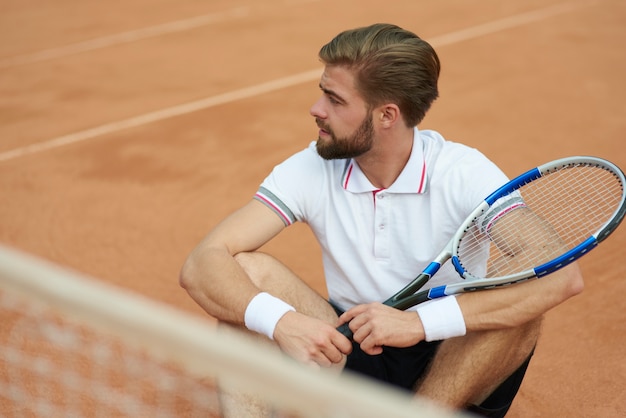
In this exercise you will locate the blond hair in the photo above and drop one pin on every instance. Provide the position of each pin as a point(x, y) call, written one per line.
point(391, 65)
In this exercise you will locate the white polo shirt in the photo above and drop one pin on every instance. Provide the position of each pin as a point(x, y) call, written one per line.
point(375, 241)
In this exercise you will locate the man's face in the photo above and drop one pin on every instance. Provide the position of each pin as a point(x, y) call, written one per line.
point(345, 122)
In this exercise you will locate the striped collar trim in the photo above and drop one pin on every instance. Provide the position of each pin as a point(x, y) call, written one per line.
point(412, 179)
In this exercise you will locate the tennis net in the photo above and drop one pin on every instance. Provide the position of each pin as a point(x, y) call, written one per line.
point(75, 346)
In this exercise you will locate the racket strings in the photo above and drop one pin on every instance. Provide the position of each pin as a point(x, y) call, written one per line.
point(561, 209)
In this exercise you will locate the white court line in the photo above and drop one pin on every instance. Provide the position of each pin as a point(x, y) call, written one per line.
point(125, 37)
point(508, 22)
point(135, 35)
point(159, 115)
point(281, 83)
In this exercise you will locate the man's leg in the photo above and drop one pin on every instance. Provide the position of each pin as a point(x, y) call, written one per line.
point(466, 370)
point(272, 276)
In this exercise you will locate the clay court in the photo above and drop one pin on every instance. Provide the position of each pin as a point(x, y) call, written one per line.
point(129, 128)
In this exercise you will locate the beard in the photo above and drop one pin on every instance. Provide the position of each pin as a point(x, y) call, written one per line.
point(352, 146)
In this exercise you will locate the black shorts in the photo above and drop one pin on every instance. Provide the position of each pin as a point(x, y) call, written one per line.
point(403, 368)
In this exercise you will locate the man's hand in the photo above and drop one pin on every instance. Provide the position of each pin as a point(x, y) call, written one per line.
point(310, 340)
point(375, 325)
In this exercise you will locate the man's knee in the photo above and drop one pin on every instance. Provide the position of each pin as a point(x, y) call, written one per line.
point(247, 259)
point(255, 264)
point(270, 274)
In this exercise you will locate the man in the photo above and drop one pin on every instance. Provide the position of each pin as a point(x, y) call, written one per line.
point(382, 198)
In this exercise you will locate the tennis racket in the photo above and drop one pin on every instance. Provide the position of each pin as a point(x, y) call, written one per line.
point(530, 227)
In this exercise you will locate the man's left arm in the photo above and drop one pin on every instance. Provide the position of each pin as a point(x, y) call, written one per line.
point(515, 305)
point(376, 325)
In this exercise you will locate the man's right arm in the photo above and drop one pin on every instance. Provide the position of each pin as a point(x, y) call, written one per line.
point(211, 275)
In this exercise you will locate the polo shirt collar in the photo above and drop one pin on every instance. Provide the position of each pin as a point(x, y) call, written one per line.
point(412, 179)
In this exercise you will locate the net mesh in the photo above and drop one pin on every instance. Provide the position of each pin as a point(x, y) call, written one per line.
point(72, 346)
point(54, 367)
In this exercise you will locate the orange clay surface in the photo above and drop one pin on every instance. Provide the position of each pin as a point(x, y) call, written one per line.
point(523, 81)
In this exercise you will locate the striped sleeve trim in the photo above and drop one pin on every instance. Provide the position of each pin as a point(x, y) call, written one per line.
point(271, 201)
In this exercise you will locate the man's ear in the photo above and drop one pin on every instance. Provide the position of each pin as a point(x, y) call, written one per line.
point(389, 114)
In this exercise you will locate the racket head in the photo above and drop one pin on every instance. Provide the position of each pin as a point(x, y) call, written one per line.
point(540, 222)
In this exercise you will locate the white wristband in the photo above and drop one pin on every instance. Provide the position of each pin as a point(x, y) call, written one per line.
point(442, 318)
point(263, 313)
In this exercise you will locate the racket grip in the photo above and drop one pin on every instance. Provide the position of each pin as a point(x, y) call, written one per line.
point(345, 330)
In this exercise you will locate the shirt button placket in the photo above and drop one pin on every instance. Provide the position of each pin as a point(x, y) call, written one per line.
point(381, 234)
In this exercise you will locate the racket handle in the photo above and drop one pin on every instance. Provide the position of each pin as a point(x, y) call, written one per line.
point(345, 330)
